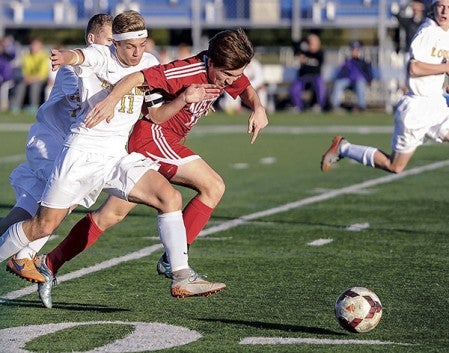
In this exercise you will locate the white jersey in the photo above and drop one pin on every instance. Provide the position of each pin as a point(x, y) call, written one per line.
point(45, 139)
point(99, 72)
point(60, 109)
point(430, 45)
point(423, 114)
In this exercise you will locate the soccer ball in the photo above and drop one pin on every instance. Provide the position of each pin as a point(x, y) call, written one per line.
point(358, 309)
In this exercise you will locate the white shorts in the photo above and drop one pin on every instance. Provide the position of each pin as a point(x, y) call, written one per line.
point(417, 120)
point(42, 148)
point(27, 187)
point(79, 177)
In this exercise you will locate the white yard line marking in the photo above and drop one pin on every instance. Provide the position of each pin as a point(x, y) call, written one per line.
point(9, 159)
point(320, 242)
point(357, 227)
point(271, 129)
point(239, 221)
point(85, 271)
point(281, 340)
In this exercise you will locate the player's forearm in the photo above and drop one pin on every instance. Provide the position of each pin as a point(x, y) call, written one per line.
point(251, 99)
point(60, 58)
point(168, 110)
point(125, 85)
point(418, 68)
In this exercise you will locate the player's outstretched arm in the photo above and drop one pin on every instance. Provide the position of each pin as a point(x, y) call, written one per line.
point(193, 94)
point(60, 58)
point(258, 118)
point(105, 109)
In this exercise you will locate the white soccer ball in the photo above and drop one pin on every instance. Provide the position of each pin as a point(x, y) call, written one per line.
point(358, 309)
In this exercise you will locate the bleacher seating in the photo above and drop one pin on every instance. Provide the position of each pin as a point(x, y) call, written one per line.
point(168, 13)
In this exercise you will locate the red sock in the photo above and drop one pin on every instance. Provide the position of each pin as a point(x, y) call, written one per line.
point(196, 214)
point(82, 236)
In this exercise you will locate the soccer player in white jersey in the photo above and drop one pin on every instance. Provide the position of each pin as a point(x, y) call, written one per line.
point(422, 113)
point(95, 159)
point(45, 140)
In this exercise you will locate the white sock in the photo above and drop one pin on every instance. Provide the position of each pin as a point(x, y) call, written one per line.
point(361, 154)
point(13, 240)
point(172, 233)
point(29, 251)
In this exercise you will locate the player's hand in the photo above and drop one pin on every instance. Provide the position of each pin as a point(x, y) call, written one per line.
point(256, 122)
point(101, 111)
point(198, 92)
point(57, 59)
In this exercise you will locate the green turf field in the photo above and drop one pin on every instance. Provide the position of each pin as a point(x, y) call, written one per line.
point(281, 290)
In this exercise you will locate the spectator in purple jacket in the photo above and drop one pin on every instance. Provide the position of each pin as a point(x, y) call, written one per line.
point(7, 55)
point(356, 74)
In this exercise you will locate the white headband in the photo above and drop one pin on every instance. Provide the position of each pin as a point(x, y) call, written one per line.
point(130, 35)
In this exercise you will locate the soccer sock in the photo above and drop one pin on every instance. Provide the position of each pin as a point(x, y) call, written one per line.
point(196, 215)
point(13, 240)
point(29, 251)
point(173, 236)
point(361, 154)
point(80, 237)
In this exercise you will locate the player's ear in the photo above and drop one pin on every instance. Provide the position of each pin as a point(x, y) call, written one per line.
point(90, 38)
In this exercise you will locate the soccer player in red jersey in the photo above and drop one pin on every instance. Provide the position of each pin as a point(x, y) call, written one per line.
point(222, 64)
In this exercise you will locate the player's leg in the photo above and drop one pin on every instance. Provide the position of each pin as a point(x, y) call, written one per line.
point(16, 214)
point(366, 155)
point(154, 190)
point(28, 189)
point(179, 165)
point(84, 234)
point(87, 231)
point(22, 233)
point(198, 175)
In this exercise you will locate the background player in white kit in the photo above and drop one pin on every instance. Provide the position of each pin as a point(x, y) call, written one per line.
point(95, 159)
point(45, 140)
point(422, 113)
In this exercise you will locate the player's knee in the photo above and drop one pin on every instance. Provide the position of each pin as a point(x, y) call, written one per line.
point(214, 190)
point(170, 200)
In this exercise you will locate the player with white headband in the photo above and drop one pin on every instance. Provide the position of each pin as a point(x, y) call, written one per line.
point(95, 159)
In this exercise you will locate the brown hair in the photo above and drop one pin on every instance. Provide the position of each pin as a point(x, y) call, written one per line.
point(128, 21)
point(230, 49)
point(96, 24)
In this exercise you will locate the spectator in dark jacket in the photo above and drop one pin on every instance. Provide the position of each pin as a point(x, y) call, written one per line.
point(356, 74)
point(311, 59)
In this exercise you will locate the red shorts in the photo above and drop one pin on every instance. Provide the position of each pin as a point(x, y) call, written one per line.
point(161, 145)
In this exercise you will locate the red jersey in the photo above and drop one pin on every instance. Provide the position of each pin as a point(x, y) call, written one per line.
point(173, 78)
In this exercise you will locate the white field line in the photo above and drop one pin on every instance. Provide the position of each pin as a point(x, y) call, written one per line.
point(9, 159)
point(239, 221)
point(282, 340)
point(237, 129)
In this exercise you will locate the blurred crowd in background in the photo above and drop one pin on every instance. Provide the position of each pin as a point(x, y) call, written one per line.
point(339, 80)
